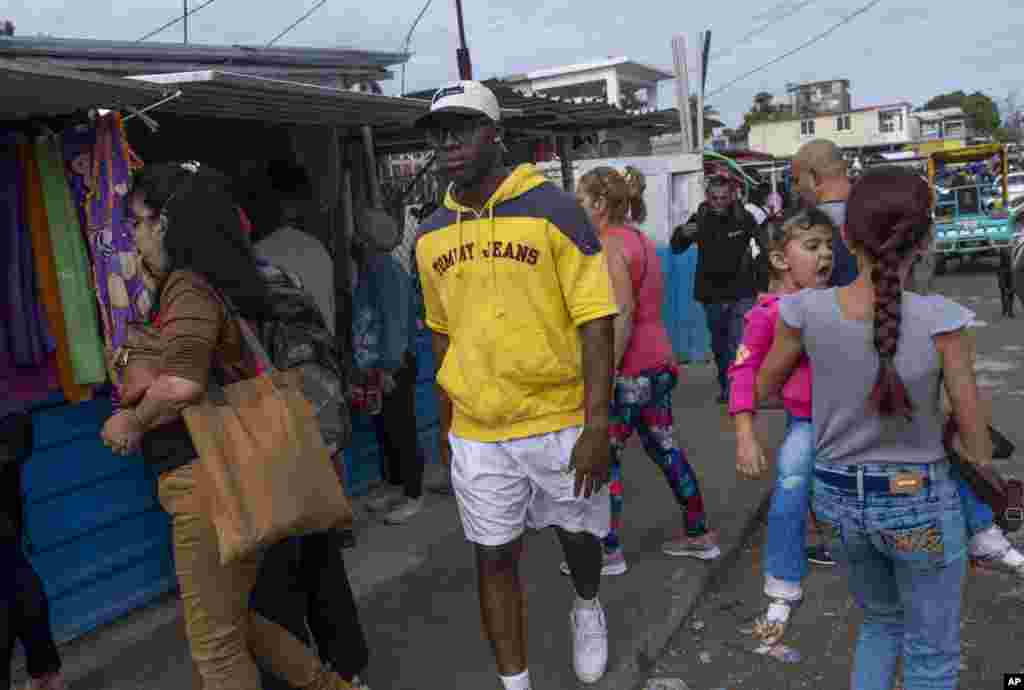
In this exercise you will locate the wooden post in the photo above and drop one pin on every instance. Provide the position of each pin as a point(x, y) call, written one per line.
point(682, 91)
point(700, 95)
point(565, 156)
point(342, 259)
point(372, 180)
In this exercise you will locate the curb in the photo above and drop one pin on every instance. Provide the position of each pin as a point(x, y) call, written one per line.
point(641, 661)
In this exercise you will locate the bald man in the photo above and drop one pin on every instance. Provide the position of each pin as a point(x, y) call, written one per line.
point(820, 179)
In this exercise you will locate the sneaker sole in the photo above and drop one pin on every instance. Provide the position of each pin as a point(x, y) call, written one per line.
point(816, 561)
point(608, 570)
point(702, 554)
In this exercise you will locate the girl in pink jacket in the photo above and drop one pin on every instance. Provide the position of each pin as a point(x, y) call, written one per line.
point(800, 256)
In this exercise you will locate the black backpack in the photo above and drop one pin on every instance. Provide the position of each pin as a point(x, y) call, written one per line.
point(296, 336)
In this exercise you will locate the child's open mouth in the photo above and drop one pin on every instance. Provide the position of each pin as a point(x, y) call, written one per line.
point(825, 272)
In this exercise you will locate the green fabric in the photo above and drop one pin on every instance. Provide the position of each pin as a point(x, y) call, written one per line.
point(73, 269)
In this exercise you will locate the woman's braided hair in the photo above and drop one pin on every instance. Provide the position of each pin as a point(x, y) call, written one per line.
point(888, 214)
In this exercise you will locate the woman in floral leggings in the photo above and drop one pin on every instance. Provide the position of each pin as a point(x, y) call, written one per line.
point(646, 368)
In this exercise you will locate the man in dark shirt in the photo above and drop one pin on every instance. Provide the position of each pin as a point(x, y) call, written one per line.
point(725, 281)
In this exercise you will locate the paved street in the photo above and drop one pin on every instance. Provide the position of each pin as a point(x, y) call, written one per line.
point(417, 584)
point(709, 653)
point(417, 587)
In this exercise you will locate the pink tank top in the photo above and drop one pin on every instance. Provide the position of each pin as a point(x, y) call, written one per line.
point(649, 346)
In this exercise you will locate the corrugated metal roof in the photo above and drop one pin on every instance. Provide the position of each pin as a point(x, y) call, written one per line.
point(548, 113)
point(33, 90)
point(46, 46)
point(212, 93)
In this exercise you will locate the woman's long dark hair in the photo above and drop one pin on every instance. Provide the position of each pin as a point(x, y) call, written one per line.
point(204, 231)
point(888, 215)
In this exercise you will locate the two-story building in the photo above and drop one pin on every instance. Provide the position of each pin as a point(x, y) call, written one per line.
point(939, 129)
point(619, 81)
point(870, 130)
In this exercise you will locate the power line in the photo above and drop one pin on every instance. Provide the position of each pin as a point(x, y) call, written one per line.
point(298, 21)
point(757, 31)
point(806, 44)
point(176, 20)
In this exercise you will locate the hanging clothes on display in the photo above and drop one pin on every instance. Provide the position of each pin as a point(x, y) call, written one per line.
point(100, 164)
point(27, 363)
point(27, 336)
point(46, 273)
point(73, 267)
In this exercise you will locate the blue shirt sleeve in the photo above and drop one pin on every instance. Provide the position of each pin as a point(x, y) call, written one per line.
point(394, 297)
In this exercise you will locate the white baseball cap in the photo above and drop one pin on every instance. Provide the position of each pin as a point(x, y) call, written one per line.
point(466, 98)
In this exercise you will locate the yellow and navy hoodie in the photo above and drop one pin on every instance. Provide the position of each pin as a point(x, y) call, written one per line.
point(509, 286)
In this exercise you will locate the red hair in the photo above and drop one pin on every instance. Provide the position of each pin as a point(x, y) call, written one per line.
point(888, 214)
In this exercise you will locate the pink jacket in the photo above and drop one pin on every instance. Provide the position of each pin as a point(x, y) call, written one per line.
point(758, 335)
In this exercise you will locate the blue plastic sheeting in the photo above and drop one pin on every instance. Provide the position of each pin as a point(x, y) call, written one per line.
point(93, 527)
point(684, 317)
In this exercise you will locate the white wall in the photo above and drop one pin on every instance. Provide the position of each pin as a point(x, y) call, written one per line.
point(674, 187)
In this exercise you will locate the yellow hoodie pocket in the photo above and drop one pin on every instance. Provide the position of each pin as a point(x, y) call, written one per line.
point(534, 358)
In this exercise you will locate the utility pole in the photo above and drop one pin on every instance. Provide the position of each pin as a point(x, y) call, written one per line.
point(184, 19)
point(462, 54)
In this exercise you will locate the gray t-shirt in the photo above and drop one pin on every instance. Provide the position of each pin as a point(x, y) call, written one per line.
point(845, 365)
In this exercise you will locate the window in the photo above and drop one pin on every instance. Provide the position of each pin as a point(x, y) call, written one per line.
point(890, 121)
point(955, 128)
point(807, 128)
point(843, 123)
point(929, 130)
point(826, 89)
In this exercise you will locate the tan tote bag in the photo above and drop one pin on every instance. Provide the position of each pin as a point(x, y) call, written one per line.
point(263, 472)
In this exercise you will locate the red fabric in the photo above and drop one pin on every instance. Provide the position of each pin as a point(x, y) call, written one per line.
point(244, 219)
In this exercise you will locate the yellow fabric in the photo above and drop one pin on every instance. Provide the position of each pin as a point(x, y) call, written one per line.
point(510, 288)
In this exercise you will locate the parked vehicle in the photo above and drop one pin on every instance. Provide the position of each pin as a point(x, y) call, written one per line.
point(973, 214)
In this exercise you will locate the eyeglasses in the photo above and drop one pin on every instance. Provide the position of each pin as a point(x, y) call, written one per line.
point(461, 131)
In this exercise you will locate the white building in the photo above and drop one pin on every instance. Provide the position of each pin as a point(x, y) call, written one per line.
point(621, 81)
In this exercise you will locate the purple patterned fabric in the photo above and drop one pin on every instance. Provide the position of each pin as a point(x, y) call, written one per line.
point(99, 171)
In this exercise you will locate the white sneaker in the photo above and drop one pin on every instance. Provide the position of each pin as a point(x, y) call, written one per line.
point(589, 643)
point(614, 563)
point(405, 511)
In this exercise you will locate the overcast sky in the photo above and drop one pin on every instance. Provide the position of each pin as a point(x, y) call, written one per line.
point(900, 50)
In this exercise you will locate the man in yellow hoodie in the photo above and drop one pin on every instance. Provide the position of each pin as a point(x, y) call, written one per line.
point(519, 300)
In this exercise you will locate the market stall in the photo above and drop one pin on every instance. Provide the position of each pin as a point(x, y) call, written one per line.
point(93, 527)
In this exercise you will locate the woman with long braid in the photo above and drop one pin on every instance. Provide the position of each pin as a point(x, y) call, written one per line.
point(884, 492)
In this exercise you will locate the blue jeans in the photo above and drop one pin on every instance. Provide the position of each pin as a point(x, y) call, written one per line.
point(905, 558)
point(977, 513)
point(785, 555)
point(725, 323)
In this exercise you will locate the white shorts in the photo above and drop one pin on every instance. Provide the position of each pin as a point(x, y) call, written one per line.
point(504, 487)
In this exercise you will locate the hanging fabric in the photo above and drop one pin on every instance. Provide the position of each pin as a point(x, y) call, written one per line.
point(99, 171)
point(46, 272)
point(72, 264)
point(27, 336)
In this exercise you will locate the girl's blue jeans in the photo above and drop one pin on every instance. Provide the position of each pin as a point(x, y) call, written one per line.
point(785, 556)
point(905, 560)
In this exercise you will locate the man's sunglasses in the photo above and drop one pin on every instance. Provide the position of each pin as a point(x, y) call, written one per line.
point(461, 131)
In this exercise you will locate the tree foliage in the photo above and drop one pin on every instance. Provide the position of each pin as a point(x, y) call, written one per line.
point(980, 109)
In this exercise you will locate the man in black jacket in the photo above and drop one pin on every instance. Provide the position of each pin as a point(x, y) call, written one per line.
point(725, 282)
